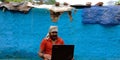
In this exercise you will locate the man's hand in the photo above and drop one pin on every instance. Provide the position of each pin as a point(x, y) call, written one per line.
point(47, 57)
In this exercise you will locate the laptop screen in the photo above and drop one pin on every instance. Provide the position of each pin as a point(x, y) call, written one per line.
point(62, 52)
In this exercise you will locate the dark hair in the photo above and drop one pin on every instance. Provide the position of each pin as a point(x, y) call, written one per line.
point(88, 3)
point(57, 4)
point(65, 3)
point(100, 4)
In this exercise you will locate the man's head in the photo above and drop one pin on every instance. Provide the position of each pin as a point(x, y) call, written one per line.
point(57, 4)
point(65, 4)
point(100, 4)
point(88, 3)
point(53, 32)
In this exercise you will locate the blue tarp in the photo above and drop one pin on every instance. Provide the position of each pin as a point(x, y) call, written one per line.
point(106, 15)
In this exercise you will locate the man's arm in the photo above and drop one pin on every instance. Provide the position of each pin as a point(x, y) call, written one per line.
point(42, 48)
point(41, 53)
point(44, 56)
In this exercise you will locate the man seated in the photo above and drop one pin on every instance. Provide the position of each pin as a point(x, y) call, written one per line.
point(47, 43)
point(69, 12)
point(57, 10)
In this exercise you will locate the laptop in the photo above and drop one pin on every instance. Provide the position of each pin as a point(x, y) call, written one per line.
point(62, 52)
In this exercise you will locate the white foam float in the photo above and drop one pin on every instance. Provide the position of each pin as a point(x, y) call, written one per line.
point(52, 7)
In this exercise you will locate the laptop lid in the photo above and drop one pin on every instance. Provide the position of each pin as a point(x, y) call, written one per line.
point(62, 52)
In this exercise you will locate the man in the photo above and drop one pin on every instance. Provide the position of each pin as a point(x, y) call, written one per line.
point(57, 10)
point(55, 15)
point(69, 12)
point(47, 43)
point(99, 4)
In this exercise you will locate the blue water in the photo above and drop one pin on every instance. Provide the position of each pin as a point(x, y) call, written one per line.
point(21, 35)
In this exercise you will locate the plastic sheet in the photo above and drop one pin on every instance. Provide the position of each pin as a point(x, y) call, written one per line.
point(106, 15)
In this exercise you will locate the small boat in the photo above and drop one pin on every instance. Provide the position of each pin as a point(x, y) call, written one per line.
point(80, 6)
point(22, 7)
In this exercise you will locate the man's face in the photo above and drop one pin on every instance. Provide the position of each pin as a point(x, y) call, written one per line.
point(57, 4)
point(53, 35)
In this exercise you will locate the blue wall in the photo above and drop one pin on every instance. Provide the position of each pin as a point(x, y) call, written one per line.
point(21, 35)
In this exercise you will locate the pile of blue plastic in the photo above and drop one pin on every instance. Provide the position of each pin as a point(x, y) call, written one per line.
point(106, 15)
